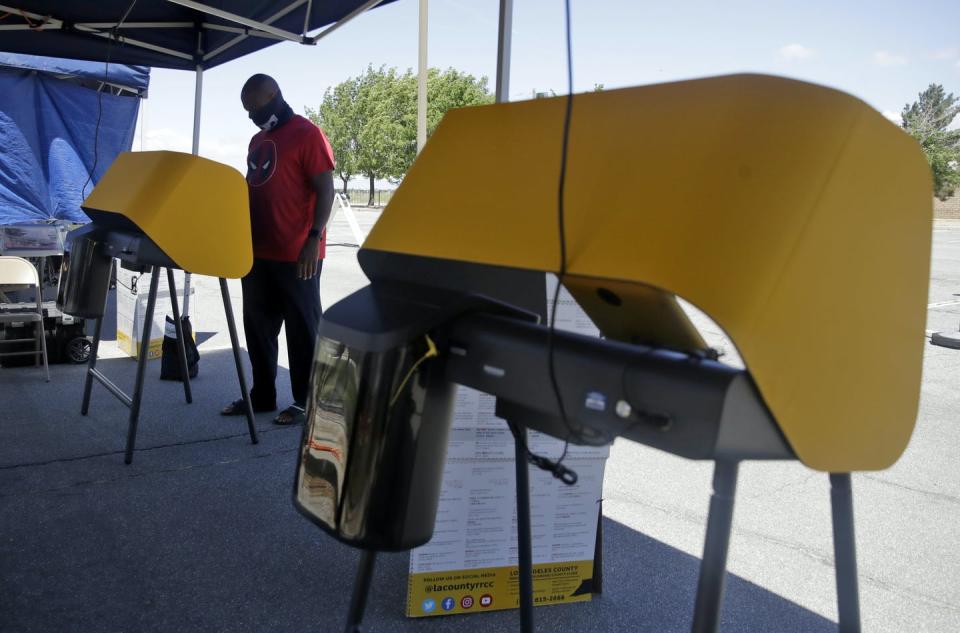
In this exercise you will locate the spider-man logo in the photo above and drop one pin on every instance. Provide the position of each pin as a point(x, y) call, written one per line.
point(261, 163)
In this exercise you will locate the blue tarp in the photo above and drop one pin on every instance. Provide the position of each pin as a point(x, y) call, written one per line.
point(47, 131)
point(134, 78)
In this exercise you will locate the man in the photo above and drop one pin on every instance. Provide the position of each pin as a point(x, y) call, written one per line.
point(290, 181)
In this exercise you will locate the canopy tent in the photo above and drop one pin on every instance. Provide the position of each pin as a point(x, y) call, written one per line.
point(198, 35)
point(48, 121)
point(182, 34)
point(192, 35)
point(178, 34)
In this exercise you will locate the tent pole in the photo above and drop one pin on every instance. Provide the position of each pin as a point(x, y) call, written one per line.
point(197, 101)
point(422, 80)
point(524, 544)
point(503, 51)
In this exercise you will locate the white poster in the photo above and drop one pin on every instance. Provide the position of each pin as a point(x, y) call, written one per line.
point(470, 563)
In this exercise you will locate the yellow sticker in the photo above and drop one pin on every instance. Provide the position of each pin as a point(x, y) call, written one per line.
point(496, 588)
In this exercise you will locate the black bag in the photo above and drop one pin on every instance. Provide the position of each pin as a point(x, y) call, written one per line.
point(169, 361)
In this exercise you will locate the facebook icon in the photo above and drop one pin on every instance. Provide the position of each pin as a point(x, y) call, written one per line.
point(448, 604)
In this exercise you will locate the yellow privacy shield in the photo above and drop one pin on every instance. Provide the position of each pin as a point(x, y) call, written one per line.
point(195, 209)
point(794, 215)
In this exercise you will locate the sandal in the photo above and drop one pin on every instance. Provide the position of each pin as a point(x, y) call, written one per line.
point(294, 414)
point(239, 407)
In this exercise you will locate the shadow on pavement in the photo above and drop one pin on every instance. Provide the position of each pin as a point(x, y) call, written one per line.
point(203, 337)
point(199, 533)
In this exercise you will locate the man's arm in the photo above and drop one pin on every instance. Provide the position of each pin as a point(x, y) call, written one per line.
point(323, 185)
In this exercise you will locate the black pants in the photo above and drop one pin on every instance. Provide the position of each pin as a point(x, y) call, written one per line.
point(273, 296)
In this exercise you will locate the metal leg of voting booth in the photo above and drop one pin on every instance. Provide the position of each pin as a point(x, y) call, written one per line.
point(92, 365)
point(181, 341)
point(713, 567)
point(706, 616)
point(235, 344)
point(845, 553)
point(524, 544)
point(142, 365)
point(134, 402)
point(361, 590)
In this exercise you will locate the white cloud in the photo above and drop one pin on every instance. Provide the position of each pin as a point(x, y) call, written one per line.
point(796, 51)
point(893, 116)
point(886, 58)
point(166, 139)
point(947, 53)
point(232, 153)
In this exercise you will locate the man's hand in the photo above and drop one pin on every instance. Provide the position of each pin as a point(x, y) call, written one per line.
point(323, 185)
point(307, 264)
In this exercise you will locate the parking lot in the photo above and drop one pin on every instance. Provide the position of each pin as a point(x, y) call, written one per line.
point(199, 533)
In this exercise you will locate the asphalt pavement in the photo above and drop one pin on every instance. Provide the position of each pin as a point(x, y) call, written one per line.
point(199, 533)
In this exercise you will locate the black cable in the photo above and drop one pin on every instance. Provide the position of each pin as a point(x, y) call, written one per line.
point(115, 33)
point(561, 227)
point(96, 129)
point(133, 283)
point(556, 467)
point(657, 420)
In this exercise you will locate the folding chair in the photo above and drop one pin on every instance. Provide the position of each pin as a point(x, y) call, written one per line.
point(16, 271)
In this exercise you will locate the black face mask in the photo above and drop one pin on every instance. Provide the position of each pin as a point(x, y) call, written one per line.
point(275, 113)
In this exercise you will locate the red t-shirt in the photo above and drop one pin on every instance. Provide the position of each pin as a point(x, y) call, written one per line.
point(280, 164)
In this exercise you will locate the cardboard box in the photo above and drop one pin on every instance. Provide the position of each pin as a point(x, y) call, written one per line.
point(132, 291)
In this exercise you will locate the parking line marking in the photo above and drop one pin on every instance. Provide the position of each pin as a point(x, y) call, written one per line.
point(943, 304)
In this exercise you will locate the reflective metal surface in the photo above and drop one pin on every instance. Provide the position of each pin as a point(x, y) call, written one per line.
point(374, 444)
point(84, 277)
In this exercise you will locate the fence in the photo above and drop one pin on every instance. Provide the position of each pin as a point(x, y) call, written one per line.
point(362, 196)
point(947, 209)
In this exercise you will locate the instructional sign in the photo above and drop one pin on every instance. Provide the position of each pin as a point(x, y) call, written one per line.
point(470, 564)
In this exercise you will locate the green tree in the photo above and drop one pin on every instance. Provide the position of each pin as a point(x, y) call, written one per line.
point(451, 89)
point(928, 120)
point(371, 120)
point(385, 145)
point(446, 90)
point(338, 117)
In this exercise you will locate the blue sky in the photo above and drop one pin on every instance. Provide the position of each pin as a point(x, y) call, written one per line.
point(881, 51)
